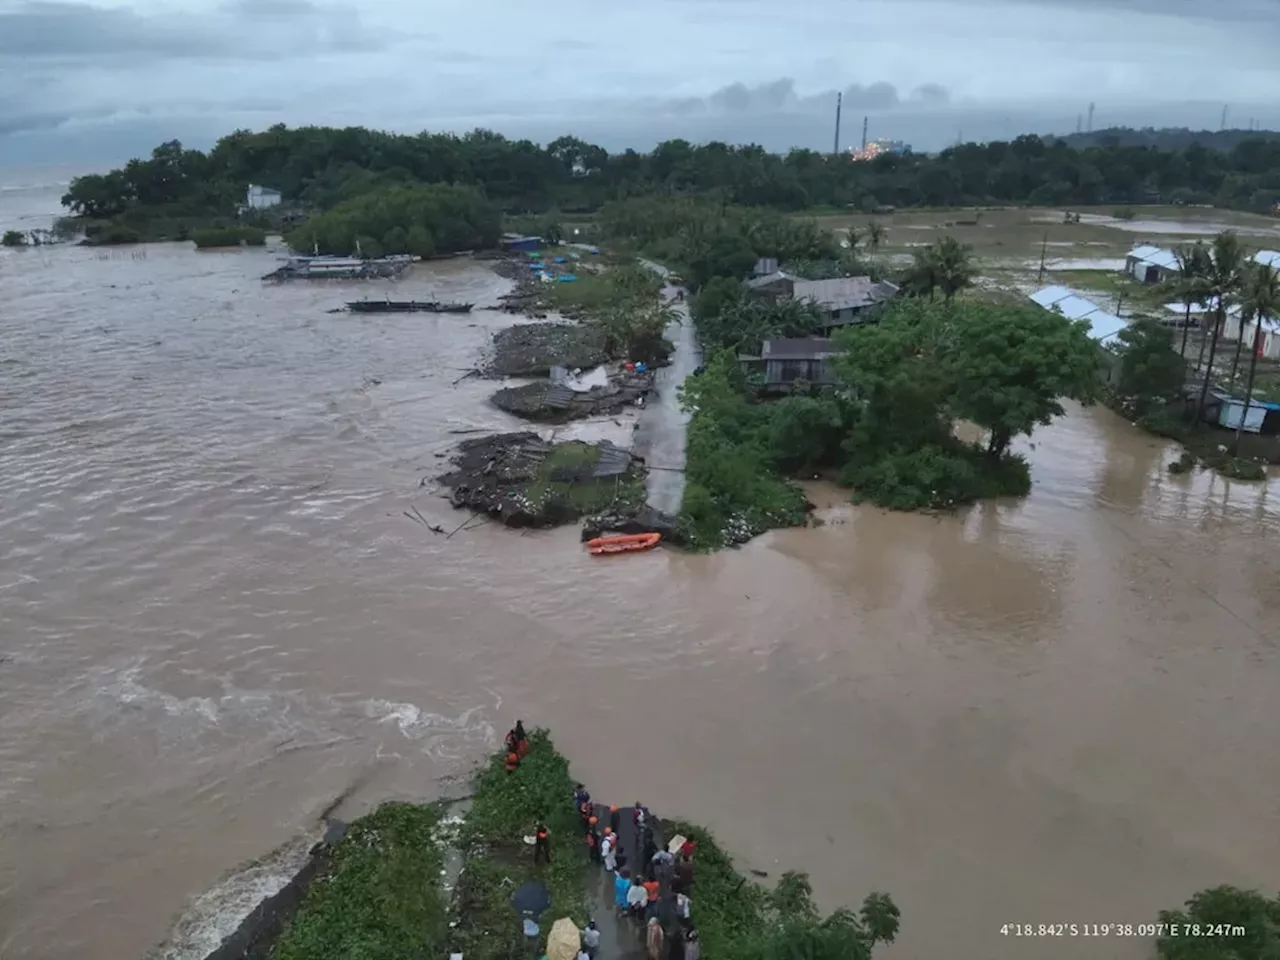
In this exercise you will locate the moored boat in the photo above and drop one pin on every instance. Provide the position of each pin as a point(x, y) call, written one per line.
point(407, 306)
point(630, 543)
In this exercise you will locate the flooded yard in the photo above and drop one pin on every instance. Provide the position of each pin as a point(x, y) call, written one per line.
point(1002, 235)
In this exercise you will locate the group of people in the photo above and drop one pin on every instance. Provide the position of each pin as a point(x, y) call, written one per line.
point(639, 889)
point(656, 878)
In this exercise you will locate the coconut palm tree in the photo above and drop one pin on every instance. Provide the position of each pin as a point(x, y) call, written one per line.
point(875, 235)
point(953, 266)
point(1226, 264)
point(1189, 285)
point(1261, 300)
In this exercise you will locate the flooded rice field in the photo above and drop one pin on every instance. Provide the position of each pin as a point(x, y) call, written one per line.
point(218, 625)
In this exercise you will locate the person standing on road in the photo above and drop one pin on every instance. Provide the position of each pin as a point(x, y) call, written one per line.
point(608, 846)
point(653, 939)
point(692, 948)
point(621, 888)
point(591, 939)
point(637, 898)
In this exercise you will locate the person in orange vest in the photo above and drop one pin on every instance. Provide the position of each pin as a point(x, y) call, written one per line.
point(593, 840)
point(541, 844)
point(513, 761)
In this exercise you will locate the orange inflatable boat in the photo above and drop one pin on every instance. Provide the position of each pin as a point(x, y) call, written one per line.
point(601, 546)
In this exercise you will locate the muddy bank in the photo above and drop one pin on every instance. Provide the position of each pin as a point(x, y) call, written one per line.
point(552, 402)
point(524, 481)
point(532, 349)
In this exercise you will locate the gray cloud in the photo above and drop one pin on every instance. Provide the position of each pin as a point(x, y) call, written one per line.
point(777, 96)
point(44, 30)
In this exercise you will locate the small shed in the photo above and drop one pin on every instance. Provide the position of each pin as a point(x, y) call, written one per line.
point(1232, 411)
point(519, 243)
point(1149, 264)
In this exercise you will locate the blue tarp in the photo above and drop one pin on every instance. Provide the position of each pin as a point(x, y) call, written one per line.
point(566, 278)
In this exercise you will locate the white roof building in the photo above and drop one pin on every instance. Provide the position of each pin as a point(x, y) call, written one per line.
point(259, 198)
point(1103, 325)
point(1268, 258)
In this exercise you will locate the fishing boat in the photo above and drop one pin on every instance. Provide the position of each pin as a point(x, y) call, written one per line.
point(407, 306)
point(630, 543)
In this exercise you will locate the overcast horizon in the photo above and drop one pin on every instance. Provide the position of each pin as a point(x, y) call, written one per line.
point(92, 84)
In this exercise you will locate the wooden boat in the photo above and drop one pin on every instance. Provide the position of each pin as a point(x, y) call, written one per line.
point(630, 543)
point(407, 306)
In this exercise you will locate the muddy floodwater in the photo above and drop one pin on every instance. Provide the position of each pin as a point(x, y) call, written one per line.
point(217, 621)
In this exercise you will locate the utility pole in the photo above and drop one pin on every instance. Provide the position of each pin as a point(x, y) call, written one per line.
point(1043, 245)
point(839, 101)
point(1089, 127)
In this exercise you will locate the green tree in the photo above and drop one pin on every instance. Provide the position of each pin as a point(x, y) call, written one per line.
point(953, 266)
point(1222, 284)
point(13, 238)
point(1010, 368)
point(1261, 302)
point(1219, 913)
point(1149, 367)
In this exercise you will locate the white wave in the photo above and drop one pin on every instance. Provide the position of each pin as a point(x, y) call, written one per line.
point(415, 723)
point(127, 689)
point(216, 914)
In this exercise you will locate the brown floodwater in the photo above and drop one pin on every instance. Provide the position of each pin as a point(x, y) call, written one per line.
point(216, 620)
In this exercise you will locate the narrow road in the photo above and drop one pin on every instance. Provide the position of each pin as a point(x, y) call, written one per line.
point(663, 429)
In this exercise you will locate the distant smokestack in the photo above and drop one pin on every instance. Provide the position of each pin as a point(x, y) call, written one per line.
point(1222, 125)
point(1079, 122)
point(1089, 126)
point(864, 132)
point(839, 101)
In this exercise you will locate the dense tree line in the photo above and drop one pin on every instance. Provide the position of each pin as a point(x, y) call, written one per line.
point(319, 167)
point(421, 220)
point(1165, 138)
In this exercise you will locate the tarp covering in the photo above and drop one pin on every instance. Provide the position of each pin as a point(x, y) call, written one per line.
point(564, 940)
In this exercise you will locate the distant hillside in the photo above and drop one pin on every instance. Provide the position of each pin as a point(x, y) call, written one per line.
point(1166, 138)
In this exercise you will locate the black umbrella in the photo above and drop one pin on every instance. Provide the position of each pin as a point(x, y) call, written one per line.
point(531, 899)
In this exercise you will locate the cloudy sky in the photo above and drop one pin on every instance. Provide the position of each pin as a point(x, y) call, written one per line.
point(96, 82)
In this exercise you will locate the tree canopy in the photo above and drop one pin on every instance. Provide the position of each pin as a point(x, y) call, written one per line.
point(322, 166)
point(422, 220)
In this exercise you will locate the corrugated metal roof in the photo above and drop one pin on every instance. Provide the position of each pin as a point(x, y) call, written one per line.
point(1104, 326)
point(1075, 308)
point(844, 292)
point(1048, 296)
point(1155, 256)
point(810, 348)
point(768, 279)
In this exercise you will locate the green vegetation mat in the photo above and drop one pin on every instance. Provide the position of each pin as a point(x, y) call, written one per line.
point(497, 861)
point(379, 897)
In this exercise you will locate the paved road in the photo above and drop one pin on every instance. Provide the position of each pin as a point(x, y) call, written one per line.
point(662, 432)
